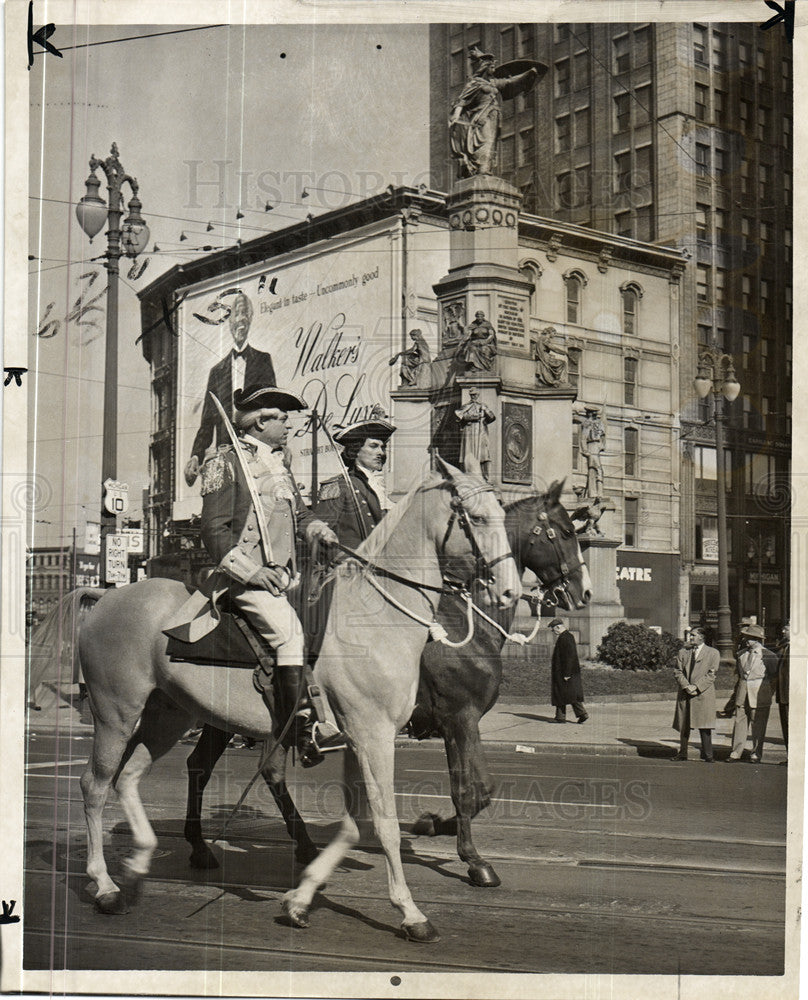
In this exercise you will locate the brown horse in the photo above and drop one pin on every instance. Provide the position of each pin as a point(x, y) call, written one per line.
point(457, 687)
point(133, 684)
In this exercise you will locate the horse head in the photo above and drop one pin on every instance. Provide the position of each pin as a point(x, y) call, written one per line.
point(470, 522)
point(543, 539)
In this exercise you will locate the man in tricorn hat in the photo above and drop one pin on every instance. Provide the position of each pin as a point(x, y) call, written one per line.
point(353, 504)
point(755, 668)
point(251, 513)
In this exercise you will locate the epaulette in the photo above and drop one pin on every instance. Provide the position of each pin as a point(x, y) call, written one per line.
point(216, 472)
point(330, 489)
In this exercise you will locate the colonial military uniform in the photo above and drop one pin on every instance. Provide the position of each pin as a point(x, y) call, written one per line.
point(352, 512)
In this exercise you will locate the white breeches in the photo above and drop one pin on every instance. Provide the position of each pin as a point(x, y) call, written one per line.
point(275, 619)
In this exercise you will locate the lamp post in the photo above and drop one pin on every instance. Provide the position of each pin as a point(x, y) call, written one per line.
point(717, 375)
point(130, 239)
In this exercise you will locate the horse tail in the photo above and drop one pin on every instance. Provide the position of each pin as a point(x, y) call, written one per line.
point(53, 652)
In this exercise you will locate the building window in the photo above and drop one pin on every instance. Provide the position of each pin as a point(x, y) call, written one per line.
point(562, 68)
point(787, 299)
point(631, 438)
point(719, 51)
point(702, 230)
point(744, 54)
point(787, 131)
point(508, 150)
point(623, 223)
point(702, 160)
point(562, 33)
point(643, 221)
point(701, 102)
point(700, 45)
point(631, 298)
point(622, 55)
point(642, 46)
point(582, 127)
point(565, 193)
point(749, 415)
point(764, 174)
point(760, 474)
point(456, 68)
point(744, 177)
point(581, 70)
point(622, 172)
point(746, 232)
point(721, 160)
point(719, 106)
point(630, 381)
point(704, 333)
point(704, 465)
point(642, 167)
point(506, 41)
point(642, 105)
point(743, 115)
point(630, 521)
point(762, 119)
point(720, 286)
point(786, 181)
point(765, 235)
point(707, 538)
point(622, 112)
point(765, 293)
point(573, 288)
point(582, 185)
point(525, 36)
point(702, 283)
point(761, 66)
point(574, 373)
point(746, 292)
point(525, 146)
point(747, 349)
point(563, 134)
point(764, 356)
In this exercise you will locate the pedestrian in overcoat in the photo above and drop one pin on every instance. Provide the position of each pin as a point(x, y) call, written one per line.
point(756, 675)
point(565, 671)
point(695, 670)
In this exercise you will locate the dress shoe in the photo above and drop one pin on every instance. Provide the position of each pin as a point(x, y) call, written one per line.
point(680, 756)
point(755, 758)
point(732, 759)
point(582, 720)
point(560, 721)
point(708, 760)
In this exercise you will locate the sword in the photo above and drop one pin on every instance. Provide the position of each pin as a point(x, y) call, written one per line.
point(259, 510)
point(345, 475)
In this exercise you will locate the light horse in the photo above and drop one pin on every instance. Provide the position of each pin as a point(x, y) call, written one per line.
point(130, 679)
point(457, 687)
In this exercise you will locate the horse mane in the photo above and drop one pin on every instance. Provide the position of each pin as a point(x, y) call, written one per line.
point(371, 548)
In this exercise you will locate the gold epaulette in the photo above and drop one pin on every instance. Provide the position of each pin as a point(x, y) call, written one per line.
point(330, 490)
point(216, 472)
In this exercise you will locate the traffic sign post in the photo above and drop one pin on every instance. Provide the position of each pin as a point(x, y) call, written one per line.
point(116, 563)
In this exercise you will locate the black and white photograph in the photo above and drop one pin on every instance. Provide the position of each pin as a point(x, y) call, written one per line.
point(383, 392)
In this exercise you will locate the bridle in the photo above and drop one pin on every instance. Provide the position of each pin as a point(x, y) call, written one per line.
point(460, 516)
point(557, 584)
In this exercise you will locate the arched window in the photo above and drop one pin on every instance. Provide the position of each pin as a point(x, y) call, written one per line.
point(574, 282)
point(631, 293)
point(531, 271)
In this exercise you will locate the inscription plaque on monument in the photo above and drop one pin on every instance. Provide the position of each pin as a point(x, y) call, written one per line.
point(517, 442)
point(511, 322)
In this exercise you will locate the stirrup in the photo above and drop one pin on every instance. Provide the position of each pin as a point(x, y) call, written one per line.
point(318, 743)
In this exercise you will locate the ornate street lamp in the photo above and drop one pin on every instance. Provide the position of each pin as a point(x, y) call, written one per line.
point(717, 375)
point(130, 239)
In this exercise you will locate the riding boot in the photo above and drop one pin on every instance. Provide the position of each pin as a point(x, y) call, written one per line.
point(311, 745)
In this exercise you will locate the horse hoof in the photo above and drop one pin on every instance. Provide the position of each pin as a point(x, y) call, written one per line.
point(298, 915)
point(203, 857)
point(112, 903)
point(425, 825)
point(306, 853)
point(132, 885)
point(423, 933)
point(484, 876)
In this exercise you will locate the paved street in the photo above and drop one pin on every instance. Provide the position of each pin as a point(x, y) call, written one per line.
point(607, 851)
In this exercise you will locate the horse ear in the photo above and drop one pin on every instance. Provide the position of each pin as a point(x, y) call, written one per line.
point(555, 491)
point(447, 470)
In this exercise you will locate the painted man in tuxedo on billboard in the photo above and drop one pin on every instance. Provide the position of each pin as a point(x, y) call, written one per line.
point(243, 365)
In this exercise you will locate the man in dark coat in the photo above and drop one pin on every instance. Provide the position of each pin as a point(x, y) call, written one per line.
point(695, 671)
point(353, 512)
point(566, 675)
point(242, 366)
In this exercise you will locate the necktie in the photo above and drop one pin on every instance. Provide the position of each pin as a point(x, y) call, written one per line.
point(692, 664)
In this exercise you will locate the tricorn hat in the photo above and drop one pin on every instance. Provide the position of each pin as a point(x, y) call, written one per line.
point(270, 397)
point(554, 622)
point(377, 428)
point(753, 632)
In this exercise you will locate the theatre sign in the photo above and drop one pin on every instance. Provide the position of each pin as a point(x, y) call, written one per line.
point(648, 583)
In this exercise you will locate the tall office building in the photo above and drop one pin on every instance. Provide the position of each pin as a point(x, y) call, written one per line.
point(677, 134)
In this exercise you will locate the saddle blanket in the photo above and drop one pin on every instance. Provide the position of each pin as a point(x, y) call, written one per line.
point(226, 645)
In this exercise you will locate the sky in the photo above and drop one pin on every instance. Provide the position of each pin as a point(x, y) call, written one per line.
point(211, 123)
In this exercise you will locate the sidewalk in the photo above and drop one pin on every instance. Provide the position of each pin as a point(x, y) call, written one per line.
point(637, 728)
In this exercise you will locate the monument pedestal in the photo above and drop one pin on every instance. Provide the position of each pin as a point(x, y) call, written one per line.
point(605, 608)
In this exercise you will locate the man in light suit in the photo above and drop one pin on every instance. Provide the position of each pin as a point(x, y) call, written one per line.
point(242, 366)
point(695, 670)
point(755, 671)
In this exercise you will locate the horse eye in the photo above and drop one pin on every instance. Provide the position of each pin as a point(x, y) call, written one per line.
point(477, 519)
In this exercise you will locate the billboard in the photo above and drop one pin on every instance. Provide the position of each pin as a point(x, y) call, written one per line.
point(323, 322)
point(648, 583)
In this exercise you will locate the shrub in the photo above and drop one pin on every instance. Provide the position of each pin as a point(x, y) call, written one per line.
point(637, 647)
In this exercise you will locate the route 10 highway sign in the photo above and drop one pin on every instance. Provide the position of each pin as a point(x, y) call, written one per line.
point(116, 496)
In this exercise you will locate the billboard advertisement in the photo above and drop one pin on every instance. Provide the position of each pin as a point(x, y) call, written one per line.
point(648, 583)
point(323, 322)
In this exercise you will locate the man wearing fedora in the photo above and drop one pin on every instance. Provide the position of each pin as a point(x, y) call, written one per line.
point(565, 672)
point(695, 670)
point(353, 504)
point(251, 515)
point(755, 671)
